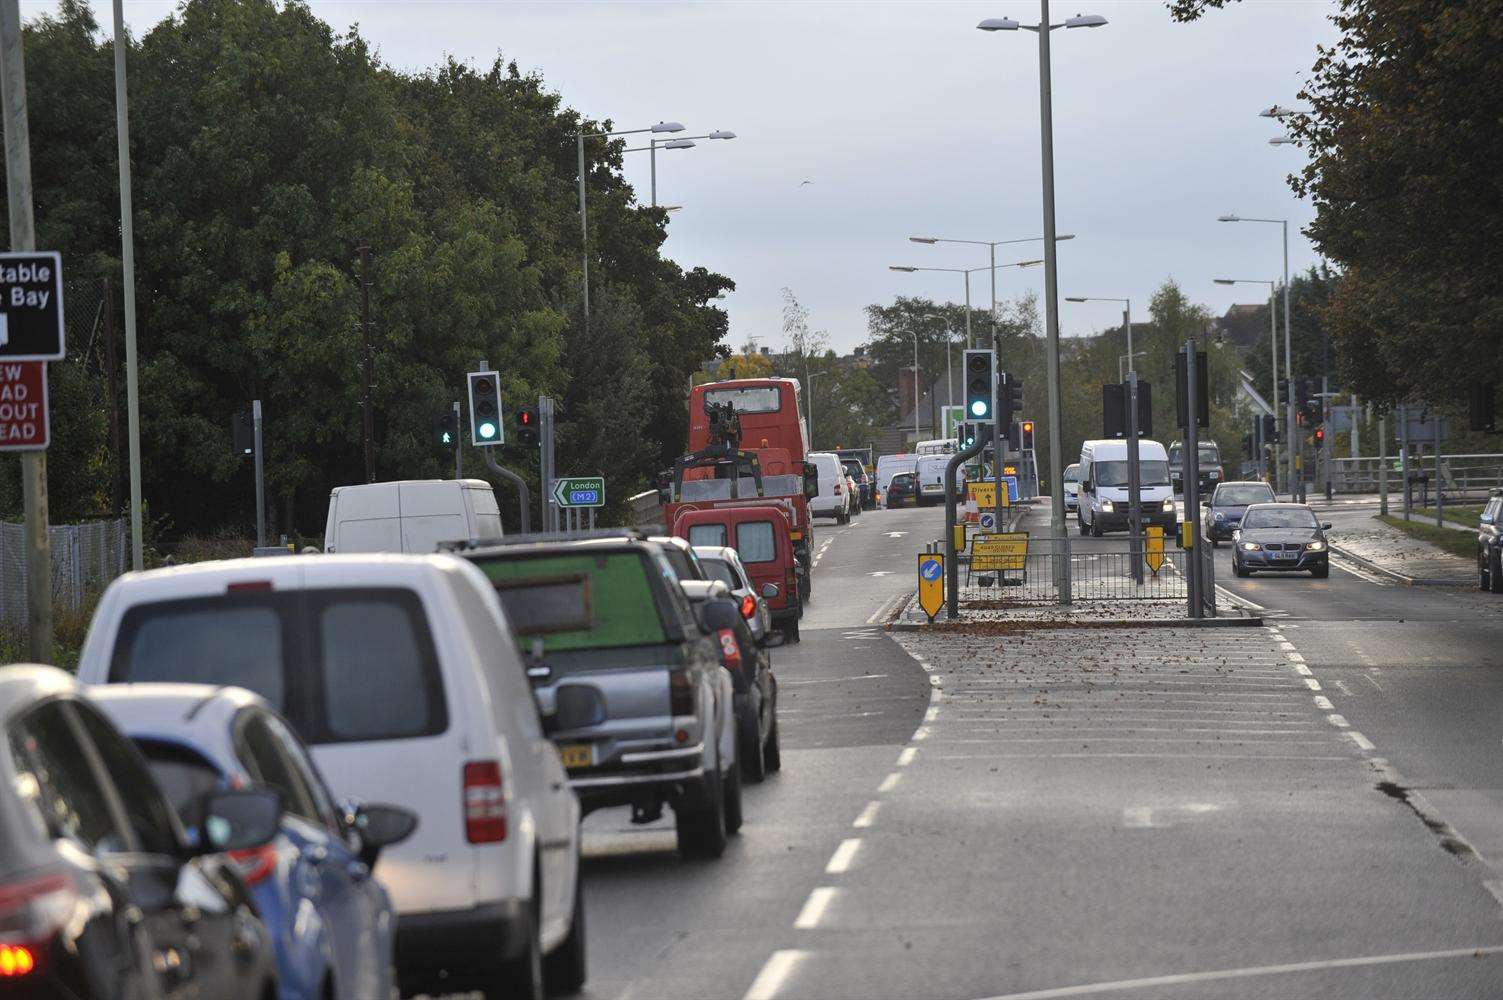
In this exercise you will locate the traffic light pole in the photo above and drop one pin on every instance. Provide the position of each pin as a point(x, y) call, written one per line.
point(952, 567)
point(524, 501)
point(1134, 481)
point(458, 463)
point(545, 463)
point(260, 474)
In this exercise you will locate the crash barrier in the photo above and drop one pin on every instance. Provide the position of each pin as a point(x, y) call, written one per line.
point(1016, 568)
point(1463, 477)
point(85, 558)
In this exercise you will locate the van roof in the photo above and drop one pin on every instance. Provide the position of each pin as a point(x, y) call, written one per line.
point(466, 483)
point(284, 572)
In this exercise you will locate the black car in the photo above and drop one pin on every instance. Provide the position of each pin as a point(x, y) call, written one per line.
point(1285, 537)
point(866, 487)
point(1224, 508)
point(756, 697)
point(101, 895)
point(903, 490)
point(1490, 545)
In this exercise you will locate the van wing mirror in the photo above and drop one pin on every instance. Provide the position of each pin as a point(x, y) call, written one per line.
point(811, 481)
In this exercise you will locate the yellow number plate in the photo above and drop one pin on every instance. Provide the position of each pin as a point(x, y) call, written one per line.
point(577, 755)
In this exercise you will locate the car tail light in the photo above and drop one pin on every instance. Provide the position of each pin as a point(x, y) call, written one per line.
point(838, 489)
point(680, 693)
point(730, 653)
point(255, 864)
point(748, 606)
point(484, 802)
point(243, 585)
point(30, 913)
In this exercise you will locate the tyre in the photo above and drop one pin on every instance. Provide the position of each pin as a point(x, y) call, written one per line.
point(701, 826)
point(772, 752)
point(733, 811)
point(1494, 572)
point(1321, 572)
point(753, 767)
point(564, 968)
point(1096, 528)
point(790, 632)
point(521, 977)
point(841, 517)
point(1238, 570)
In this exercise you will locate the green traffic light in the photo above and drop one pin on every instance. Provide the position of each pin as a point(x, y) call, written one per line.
point(447, 438)
point(487, 430)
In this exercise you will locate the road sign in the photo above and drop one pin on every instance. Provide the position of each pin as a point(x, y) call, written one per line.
point(1153, 554)
point(31, 306)
point(1008, 550)
point(987, 520)
point(580, 491)
point(931, 585)
point(952, 418)
point(24, 424)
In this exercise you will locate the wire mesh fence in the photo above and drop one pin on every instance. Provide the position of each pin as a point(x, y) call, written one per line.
point(1027, 571)
point(85, 557)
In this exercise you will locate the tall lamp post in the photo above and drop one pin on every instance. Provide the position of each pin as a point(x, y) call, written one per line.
point(992, 245)
point(1288, 337)
point(685, 142)
point(584, 229)
point(1273, 348)
point(1051, 276)
point(1126, 320)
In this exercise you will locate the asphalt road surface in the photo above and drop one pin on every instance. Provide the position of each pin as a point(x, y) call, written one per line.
point(1298, 809)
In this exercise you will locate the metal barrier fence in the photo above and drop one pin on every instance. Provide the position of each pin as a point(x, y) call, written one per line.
point(1100, 570)
point(85, 557)
point(1462, 476)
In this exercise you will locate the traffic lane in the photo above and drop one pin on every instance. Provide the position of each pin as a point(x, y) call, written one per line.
point(865, 570)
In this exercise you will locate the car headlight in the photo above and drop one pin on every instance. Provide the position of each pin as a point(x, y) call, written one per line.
point(1315, 547)
point(1106, 507)
point(1250, 546)
point(1169, 504)
point(1218, 515)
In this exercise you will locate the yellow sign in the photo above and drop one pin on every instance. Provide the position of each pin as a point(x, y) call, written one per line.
point(1154, 554)
point(1008, 550)
point(984, 494)
point(960, 537)
point(931, 585)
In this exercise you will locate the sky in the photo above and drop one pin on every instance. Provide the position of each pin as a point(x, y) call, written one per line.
point(907, 121)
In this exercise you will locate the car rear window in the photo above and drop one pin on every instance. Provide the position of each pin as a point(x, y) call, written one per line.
point(721, 571)
point(341, 665)
point(707, 534)
point(579, 600)
point(755, 542)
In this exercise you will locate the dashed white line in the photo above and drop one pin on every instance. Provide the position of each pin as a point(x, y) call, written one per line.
point(890, 782)
point(1363, 743)
point(1312, 683)
point(906, 757)
point(921, 733)
point(868, 816)
point(840, 861)
point(814, 908)
point(1338, 720)
point(1303, 670)
point(1324, 703)
point(779, 966)
point(931, 715)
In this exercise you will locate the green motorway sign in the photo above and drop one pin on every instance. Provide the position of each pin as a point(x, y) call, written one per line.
point(580, 491)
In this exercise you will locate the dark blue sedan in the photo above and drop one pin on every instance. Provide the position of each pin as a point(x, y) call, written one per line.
point(1225, 507)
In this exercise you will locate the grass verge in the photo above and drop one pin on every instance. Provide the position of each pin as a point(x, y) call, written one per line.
point(1463, 514)
point(1457, 543)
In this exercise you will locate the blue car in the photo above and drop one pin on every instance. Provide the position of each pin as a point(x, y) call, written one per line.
point(331, 922)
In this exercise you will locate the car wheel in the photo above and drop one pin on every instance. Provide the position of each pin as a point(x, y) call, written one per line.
point(1321, 572)
point(1096, 528)
point(753, 768)
point(701, 826)
point(564, 969)
point(772, 753)
point(521, 976)
point(733, 811)
point(1495, 571)
point(1237, 569)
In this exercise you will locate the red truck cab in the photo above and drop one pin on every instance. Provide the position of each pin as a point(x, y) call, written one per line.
point(760, 534)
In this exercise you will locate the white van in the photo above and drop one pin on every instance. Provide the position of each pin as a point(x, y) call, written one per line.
point(412, 515)
point(931, 478)
point(832, 500)
point(1103, 487)
point(893, 465)
point(402, 675)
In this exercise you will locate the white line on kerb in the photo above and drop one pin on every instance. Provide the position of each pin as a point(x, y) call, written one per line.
point(868, 816)
point(890, 782)
point(1323, 703)
point(931, 715)
point(777, 969)
point(814, 908)
point(840, 861)
point(1295, 658)
point(1363, 743)
point(921, 733)
point(1312, 683)
point(906, 757)
point(1259, 970)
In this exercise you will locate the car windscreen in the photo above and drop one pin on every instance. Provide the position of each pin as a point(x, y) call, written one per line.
point(341, 664)
point(756, 542)
point(1072, 474)
point(579, 599)
point(721, 571)
point(1241, 496)
point(1279, 517)
point(680, 562)
point(1150, 473)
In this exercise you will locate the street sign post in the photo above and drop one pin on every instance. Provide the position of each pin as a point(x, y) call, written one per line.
point(31, 306)
point(580, 491)
point(24, 423)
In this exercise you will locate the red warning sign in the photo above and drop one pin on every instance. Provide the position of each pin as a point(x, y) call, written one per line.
point(23, 405)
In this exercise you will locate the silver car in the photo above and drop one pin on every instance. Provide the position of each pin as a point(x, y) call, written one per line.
point(723, 564)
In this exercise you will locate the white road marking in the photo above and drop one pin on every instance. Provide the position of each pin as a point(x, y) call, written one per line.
point(932, 714)
point(831, 680)
point(1216, 975)
point(906, 757)
point(1296, 658)
point(1313, 684)
point(1363, 743)
point(1360, 574)
point(1300, 668)
point(890, 782)
point(1494, 886)
point(1322, 702)
point(921, 733)
point(814, 908)
point(868, 816)
point(1338, 720)
point(1137, 817)
point(896, 534)
point(840, 861)
point(774, 973)
point(881, 572)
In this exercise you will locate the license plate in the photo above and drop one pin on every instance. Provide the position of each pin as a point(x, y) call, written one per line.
point(577, 755)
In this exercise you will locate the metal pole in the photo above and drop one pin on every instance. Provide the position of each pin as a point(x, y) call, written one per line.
point(1289, 365)
point(367, 417)
point(1191, 467)
point(260, 474)
point(1051, 317)
point(584, 235)
point(112, 384)
point(915, 389)
point(458, 441)
point(1273, 350)
point(1383, 465)
point(1134, 481)
point(37, 547)
point(949, 364)
point(1439, 502)
point(1127, 322)
point(1325, 419)
point(994, 300)
point(523, 500)
point(1404, 458)
point(968, 310)
point(952, 566)
point(128, 269)
point(653, 156)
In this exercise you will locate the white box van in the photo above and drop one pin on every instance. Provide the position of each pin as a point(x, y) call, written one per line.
point(1103, 487)
point(412, 515)
point(931, 478)
point(831, 500)
point(892, 465)
point(402, 675)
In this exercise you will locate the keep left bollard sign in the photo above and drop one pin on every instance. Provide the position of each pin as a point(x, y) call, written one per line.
point(931, 586)
point(23, 406)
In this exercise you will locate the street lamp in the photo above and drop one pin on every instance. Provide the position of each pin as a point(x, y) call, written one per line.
point(686, 142)
point(1283, 140)
point(584, 229)
point(1288, 329)
point(1273, 348)
point(1126, 319)
point(1051, 283)
point(992, 245)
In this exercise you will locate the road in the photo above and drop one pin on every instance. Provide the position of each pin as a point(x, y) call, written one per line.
point(1133, 812)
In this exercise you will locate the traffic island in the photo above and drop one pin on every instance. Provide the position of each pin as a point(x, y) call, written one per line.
point(983, 617)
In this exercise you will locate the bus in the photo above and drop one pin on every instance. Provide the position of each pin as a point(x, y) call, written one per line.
point(938, 446)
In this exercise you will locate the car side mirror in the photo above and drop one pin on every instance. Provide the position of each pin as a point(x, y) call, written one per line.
point(1326, 526)
point(772, 640)
point(811, 481)
point(238, 819)
point(1205, 503)
point(381, 826)
point(770, 590)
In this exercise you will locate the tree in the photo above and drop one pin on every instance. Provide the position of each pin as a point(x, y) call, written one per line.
point(748, 364)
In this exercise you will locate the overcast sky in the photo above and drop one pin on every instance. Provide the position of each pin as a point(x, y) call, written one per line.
point(909, 121)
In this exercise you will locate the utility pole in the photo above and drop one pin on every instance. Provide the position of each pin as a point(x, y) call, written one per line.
point(112, 386)
point(1383, 464)
point(367, 417)
point(260, 474)
point(458, 443)
point(128, 277)
point(23, 238)
point(1051, 319)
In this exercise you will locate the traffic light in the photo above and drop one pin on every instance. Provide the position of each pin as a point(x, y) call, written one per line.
point(980, 385)
point(485, 410)
point(965, 434)
point(527, 425)
point(243, 434)
point(445, 428)
point(1027, 435)
point(1320, 437)
point(1270, 429)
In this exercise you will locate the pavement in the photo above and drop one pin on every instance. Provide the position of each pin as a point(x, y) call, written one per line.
point(1357, 534)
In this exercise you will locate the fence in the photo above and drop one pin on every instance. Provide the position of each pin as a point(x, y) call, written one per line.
point(1462, 476)
point(85, 557)
point(1100, 570)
